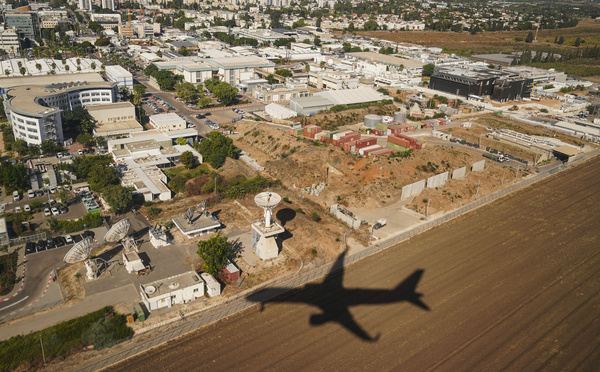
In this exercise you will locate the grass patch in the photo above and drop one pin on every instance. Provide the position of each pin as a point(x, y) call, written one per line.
point(8, 272)
point(103, 328)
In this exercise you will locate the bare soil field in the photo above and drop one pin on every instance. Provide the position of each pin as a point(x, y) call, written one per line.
point(513, 285)
point(492, 42)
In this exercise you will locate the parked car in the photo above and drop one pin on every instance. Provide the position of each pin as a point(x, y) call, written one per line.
point(55, 211)
point(30, 193)
point(47, 212)
point(27, 208)
point(69, 239)
point(87, 233)
point(50, 244)
point(39, 193)
point(41, 245)
point(29, 247)
point(17, 209)
point(62, 209)
point(16, 196)
point(52, 189)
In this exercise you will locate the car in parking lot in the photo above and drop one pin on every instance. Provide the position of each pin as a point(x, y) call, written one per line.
point(62, 209)
point(87, 233)
point(41, 245)
point(17, 209)
point(50, 244)
point(199, 116)
point(47, 212)
point(59, 241)
point(55, 211)
point(27, 208)
point(69, 239)
point(52, 189)
point(31, 194)
point(39, 193)
point(30, 248)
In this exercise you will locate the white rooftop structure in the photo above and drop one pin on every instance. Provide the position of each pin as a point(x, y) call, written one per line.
point(176, 289)
point(119, 75)
point(279, 112)
point(351, 96)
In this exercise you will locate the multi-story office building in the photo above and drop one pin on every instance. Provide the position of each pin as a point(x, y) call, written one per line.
point(35, 111)
point(27, 24)
point(9, 40)
point(119, 75)
point(85, 4)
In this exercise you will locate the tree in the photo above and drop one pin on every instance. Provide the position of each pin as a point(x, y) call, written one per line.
point(48, 147)
point(215, 148)
point(351, 27)
point(593, 109)
point(225, 92)
point(20, 146)
point(577, 42)
point(93, 66)
point(181, 141)
point(428, 69)
point(187, 92)
point(100, 178)
point(317, 41)
point(188, 159)
point(561, 40)
point(38, 66)
point(119, 198)
point(371, 25)
point(284, 72)
point(13, 176)
point(529, 38)
point(214, 253)
point(203, 102)
point(101, 142)
point(139, 89)
point(23, 70)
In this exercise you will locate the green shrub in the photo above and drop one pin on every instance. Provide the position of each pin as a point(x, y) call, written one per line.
point(299, 210)
point(315, 217)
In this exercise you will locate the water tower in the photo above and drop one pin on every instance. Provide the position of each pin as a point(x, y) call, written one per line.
point(265, 230)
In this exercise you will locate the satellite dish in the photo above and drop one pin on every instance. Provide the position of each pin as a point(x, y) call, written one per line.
point(80, 251)
point(118, 231)
point(267, 199)
point(150, 289)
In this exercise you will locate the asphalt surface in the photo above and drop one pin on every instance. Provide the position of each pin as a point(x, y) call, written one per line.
point(510, 286)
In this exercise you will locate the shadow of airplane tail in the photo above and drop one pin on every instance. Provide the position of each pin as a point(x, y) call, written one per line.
point(407, 290)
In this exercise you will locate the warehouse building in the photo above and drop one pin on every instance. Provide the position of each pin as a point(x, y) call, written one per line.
point(114, 119)
point(310, 105)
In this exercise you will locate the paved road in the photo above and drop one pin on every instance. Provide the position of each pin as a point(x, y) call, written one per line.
point(512, 285)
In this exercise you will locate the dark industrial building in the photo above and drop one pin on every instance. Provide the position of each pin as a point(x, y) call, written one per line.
point(498, 85)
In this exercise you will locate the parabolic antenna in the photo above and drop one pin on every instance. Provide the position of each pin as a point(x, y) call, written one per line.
point(267, 199)
point(80, 251)
point(118, 231)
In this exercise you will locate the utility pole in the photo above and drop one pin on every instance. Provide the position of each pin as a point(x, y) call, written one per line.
point(477, 192)
point(43, 355)
point(427, 210)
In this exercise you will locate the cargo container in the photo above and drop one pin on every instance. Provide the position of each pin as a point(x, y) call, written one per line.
point(341, 134)
point(396, 147)
point(349, 137)
point(382, 126)
point(365, 142)
point(369, 148)
point(348, 146)
point(320, 136)
point(378, 132)
point(382, 152)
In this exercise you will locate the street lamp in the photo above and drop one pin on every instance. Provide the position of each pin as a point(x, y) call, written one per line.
point(427, 210)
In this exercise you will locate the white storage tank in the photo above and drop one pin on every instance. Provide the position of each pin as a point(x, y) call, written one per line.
point(400, 117)
point(372, 120)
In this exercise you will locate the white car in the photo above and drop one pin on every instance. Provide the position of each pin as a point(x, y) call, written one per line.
point(52, 189)
point(31, 194)
point(69, 239)
point(47, 212)
point(55, 211)
point(17, 209)
point(27, 208)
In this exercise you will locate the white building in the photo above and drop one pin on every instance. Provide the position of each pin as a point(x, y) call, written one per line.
point(167, 122)
point(277, 111)
point(34, 111)
point(119, 75)
point(9, 40)
point(177, 289)
point(193, 71)
point(213, 288)
point(85, 4)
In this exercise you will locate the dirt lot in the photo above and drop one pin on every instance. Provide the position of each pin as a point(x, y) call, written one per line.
point(491, 42)
point(510, 286)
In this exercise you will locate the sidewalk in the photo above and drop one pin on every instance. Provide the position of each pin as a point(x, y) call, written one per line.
point(21, 263)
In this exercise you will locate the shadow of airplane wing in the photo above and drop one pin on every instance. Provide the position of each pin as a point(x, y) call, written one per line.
point(346, 320)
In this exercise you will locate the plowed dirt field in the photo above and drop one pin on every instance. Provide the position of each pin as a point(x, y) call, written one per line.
point(511, 286)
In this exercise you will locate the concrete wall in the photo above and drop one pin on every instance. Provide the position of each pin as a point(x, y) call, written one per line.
point(459, 173)
point(437, 180)
point(338, 212)
point(479, 166)
point(413, 189)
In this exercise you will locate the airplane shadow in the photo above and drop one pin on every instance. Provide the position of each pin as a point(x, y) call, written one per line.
point(334, 300)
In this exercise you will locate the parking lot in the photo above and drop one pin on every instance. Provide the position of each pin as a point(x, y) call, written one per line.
point(56, 242)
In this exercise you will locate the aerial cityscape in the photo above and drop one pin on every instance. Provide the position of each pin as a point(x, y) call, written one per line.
point(313, 185)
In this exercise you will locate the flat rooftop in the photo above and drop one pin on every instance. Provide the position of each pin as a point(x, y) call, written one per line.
point(109, 106)
point(164, 286)
point(199, 223)
point(10, 82)
point(121, 127)
point(387, 59)
point(166, 119)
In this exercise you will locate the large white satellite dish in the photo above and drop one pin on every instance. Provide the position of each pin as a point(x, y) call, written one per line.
point(80, 251)
point(267, 201)
point(118, 231)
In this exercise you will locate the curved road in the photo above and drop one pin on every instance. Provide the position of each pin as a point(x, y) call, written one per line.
point(513, 285)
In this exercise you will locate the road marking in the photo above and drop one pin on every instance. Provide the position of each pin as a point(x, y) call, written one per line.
point(6, 307)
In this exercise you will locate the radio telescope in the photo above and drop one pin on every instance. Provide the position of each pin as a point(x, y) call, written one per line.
point(80, 252)
point(118, 233)
point(267, 201)
point(265, 231)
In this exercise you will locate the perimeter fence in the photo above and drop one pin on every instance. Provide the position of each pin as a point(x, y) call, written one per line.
point(307, 273)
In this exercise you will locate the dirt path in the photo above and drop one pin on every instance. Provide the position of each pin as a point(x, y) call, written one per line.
point(513, 285)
